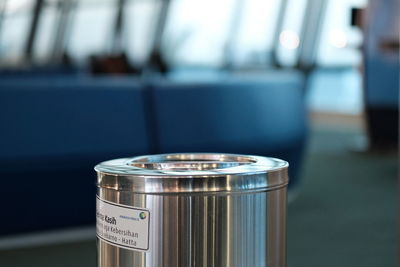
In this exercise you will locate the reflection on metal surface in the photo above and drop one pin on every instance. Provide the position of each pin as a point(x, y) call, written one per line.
point(237, 218)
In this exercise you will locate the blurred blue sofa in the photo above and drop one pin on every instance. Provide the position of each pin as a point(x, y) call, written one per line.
point(54, 129)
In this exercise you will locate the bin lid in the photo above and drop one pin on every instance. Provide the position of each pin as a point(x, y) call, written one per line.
point(193, 172)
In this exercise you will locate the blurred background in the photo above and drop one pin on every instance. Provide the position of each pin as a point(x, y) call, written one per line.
point(314, 82)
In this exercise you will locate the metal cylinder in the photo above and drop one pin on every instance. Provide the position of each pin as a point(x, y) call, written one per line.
point(192, 210)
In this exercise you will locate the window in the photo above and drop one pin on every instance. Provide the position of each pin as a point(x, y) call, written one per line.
point(91, 31)
point(14, 30)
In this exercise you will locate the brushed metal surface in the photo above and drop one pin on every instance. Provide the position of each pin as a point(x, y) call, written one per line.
point(244, 227)
point(220, 230)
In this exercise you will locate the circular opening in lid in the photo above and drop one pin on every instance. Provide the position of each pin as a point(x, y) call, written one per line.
point(190, 162)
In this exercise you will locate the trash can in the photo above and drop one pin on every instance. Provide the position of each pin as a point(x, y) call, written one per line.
point(190, 210)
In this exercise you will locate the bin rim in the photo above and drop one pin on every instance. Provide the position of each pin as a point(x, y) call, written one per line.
point(192, 172)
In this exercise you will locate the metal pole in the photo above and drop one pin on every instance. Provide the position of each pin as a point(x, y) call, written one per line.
point(118, 27)
point(65, 8)
point(233, 34)
point(30, 42)
point(310, 38)
point(278, 29)
point(311, 34)
point(155, 59)
point(161, 22)
point(3, 6)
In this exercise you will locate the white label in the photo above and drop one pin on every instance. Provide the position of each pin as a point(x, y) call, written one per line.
point(122, 226)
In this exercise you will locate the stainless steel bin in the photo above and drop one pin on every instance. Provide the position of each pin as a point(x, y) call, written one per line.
point(190, 210)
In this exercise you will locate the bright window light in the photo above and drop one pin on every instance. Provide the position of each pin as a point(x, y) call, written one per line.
point(338, 38)
point(289, 39)
point(15, 6)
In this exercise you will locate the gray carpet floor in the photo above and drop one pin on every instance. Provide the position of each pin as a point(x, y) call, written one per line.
point(343, 216)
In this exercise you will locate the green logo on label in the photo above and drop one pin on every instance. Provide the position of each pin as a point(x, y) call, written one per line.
point(142, 215)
